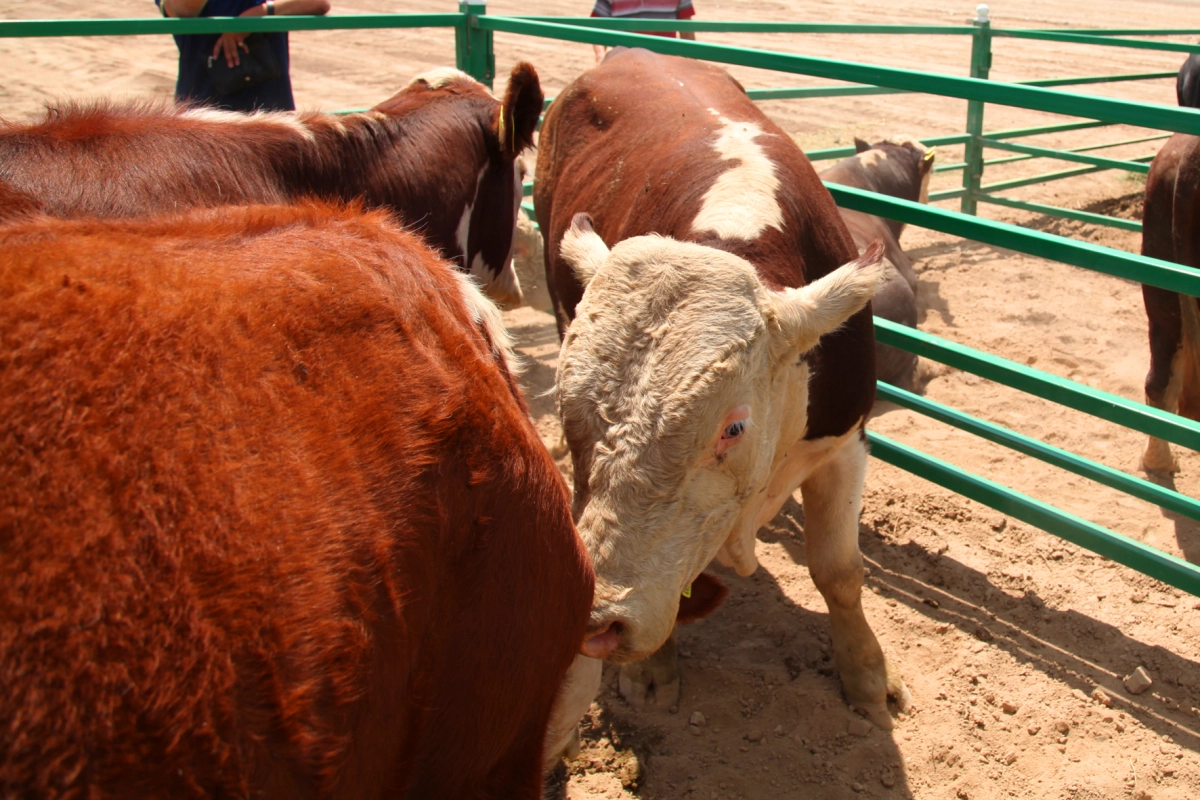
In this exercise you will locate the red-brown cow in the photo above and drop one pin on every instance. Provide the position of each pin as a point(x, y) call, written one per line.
point(899, 167)
point(442, 153)
point(274, 520)
point(694, 397)
point(1171, 231)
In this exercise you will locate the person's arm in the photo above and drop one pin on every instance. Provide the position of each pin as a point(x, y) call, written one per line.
point(686, 11)
point(603, 8)
point(229, 43)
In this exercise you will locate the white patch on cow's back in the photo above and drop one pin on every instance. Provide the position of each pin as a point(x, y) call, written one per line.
point(285, 119)
point(439, 77)
point(741, 204)
point(871, 158)
point(485, 314)
point(907, 139)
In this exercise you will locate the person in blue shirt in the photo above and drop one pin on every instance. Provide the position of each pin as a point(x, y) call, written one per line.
point(194, 83)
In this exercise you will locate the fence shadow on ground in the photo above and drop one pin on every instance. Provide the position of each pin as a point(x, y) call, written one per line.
point(1078, 651)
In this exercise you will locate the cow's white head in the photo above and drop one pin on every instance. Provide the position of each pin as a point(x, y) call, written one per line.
point(680, 385)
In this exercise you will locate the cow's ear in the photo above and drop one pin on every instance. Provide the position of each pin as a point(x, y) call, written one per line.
point(518, 116)
point(583, 249)
point(704, 595)
point(804, 315)
point(860, 146)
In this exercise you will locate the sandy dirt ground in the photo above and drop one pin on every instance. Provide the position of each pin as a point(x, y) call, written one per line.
point(1014, 643)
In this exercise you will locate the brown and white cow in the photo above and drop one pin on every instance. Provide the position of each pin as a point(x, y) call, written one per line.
point(719, 358)
point(900, 167)
point(442, 153)
point(1171, 231)
point(274, 520)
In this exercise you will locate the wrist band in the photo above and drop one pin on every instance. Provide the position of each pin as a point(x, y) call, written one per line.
point(270, 8)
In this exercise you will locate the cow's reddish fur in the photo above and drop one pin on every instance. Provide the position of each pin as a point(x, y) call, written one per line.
point(420, 153)
point(274, 520)
point(1171, 231)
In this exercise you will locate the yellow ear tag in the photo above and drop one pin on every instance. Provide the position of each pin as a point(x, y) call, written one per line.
point(687, 590)
point(500, 128)
point(929, 155)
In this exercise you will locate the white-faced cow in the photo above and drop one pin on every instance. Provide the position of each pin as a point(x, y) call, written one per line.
point(717, 355)
point(900, 167)
point(274, 520)
point(442, 153)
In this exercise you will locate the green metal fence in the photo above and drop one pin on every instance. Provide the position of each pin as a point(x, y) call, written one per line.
point(473, 34)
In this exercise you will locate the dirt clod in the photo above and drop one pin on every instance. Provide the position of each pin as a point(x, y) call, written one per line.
point(1138, 681)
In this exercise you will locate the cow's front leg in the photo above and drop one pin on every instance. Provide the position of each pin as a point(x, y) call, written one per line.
point(832, 502)
point(654, 681)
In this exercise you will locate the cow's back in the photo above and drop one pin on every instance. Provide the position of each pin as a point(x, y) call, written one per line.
point(275, 520)
point(647, 143)
point(120, 162)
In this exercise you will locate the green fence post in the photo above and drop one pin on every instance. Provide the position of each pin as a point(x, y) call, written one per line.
point(473, 45)
point(981, 63)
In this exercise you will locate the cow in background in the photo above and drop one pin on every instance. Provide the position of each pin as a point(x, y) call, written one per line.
point(1171, 231)
point(900, 167)
point(1187, 83)
point(716, 356)
point(275, 521)
point(441, 153)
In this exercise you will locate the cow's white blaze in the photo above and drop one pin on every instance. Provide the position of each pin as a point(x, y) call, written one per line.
point(742, 203)
point(463, 231)
point(498, 280)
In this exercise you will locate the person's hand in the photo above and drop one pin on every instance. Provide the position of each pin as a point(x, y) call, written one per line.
point(227, 47)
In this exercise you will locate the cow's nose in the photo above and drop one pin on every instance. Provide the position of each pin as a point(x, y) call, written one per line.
point(600, 642)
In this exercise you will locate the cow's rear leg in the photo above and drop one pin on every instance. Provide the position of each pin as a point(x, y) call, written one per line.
point(1163, 386)
point(1164, 380)
point(654, 681)
point(832, 502)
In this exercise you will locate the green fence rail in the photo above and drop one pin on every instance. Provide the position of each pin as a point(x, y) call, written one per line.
point(1121, 549)
point(26, 28)
point(474, 52)
point(1115, 479)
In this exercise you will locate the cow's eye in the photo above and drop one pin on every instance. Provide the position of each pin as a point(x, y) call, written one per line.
point(734, 427)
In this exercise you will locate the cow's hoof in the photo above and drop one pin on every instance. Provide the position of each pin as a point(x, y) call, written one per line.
point(879, 713)
point(1158, 458)
point(643, 686)
point(863, 691)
